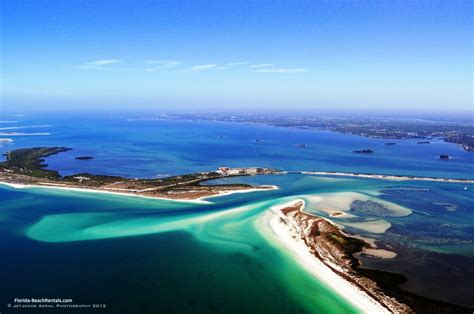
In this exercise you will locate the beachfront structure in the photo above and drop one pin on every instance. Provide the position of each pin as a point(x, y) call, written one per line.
point(226, 171)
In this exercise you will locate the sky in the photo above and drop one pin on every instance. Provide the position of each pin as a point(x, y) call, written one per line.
point(117, 55)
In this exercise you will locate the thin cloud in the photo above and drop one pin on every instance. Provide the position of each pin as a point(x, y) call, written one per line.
point(134, 66)
point(162, 65)
point(97, 64)
point(287, 70)
point(237, 63)
point(203, 67)
point(262, 65)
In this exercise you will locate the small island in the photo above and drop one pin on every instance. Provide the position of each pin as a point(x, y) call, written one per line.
point(364, 151)
point(84, 158)
point(26, 167)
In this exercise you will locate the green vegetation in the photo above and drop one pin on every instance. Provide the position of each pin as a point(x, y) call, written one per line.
point(29, 161)
point(348, 245)
point(28, 165)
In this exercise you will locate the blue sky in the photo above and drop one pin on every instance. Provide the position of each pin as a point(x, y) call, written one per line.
point(407, 55)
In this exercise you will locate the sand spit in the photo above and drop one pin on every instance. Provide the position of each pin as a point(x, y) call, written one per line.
point(308, 239)
point(201, 200)
point(386, 177)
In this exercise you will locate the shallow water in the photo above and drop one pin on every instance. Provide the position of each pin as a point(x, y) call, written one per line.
point(143, 256)
point(206, 259)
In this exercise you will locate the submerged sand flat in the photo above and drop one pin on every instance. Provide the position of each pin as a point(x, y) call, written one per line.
point(92, 226)
point(381, 253)
point(338, 206)
point(372, 226)
point(341, 202)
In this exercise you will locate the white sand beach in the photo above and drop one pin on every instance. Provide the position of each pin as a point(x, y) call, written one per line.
point(275, 226)
point(201, 200)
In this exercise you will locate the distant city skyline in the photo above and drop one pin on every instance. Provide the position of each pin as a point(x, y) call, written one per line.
point(306, 55)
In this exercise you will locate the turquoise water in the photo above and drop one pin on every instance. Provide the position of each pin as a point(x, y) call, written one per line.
point(185, 259)
point(146, 256)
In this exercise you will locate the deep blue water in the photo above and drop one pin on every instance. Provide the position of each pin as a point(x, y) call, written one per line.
point(212, 269)
point(150, 148)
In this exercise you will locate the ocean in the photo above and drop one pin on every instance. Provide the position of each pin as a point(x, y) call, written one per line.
point(139, 255)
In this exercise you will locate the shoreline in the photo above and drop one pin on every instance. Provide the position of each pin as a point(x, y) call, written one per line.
point(198, 200)
point(332, 256)
point(277, 223)
point(25, 168)
point(389, 177)
point(269, 187)
point(462, 146)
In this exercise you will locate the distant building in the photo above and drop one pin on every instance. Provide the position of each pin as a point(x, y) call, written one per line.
point(226, 171)
point(235, 171)
point(223, 170)
point(251, 170)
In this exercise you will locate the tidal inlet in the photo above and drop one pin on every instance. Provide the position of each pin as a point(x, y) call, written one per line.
point(247, 157)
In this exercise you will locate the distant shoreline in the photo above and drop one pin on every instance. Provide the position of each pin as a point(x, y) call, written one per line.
point(386, 176)
point(463, 144)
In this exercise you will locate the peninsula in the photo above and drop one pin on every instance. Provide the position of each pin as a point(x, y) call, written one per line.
point(332, 256)
point(25, 167)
